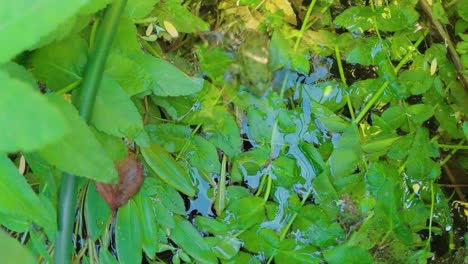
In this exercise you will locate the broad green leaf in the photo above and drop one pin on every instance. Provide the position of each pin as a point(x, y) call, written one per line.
point(149, 229)
point(330, 94)
point(293, 252)
point(25, 22)
point(356, 18)
point(394, 116)
point(115, 114)
point(139, 8)
point(171, 136)
point(106, 257)
point(128, 234)
point(131, 76)
point(370, 51)
point(167, 169)
point(285, 171)
point(61, 63)
point(317, 227)
point(19, 73)
point(166, 79)
point(210, 225)
point(188, 238)
point(224, 247)
point(14, 223)
point(125, 39)
point(416, 81)
point(214, 62)
point(78, 152)
point(347, 154)
point(93, 6)
point(249, 163)
point(114, 146)
point(203, 155)
point(393, 18)
point(12, 251)
point(245, 212)
point(348, 254)
point(379, 145)
point(181, 18)
point(164, 217)
point(327, 118)
point(420, 112)
point(18, 199)
point(224, 133)
point(97, 212)
point(18, 130)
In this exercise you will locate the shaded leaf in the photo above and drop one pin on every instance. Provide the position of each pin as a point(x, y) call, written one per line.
point(188, 238)
point(166, 79)
point(78, 152)
point(167, 169)
point(128, 234)
point(18, 130)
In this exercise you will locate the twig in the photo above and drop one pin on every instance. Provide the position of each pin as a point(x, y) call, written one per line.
point(445, 36)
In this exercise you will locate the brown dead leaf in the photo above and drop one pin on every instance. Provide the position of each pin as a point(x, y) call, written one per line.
point(131, 176)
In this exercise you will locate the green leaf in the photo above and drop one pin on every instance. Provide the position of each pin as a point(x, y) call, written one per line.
point(139, 8)
point(214, 62)
point(19, 131)
point(394, 116)
point(181, 18)
point(115, 114)
point(115, 147)
point(370, 51)
point(347, 254)
point(224, 133)
point(78, 152)
point(166, 79)
point(417, 81)
point(167, 169)
point(188, 238)
point(61, 63)
point(330, 94)
point(128, 234)
point(130, 75)
point(203, 155)
point(293, 252)
point(12, 251)
point(125, 39)
point(97, 212)
point(18, 199)
point(171, 136)
point(420, 112)
point(149, 229)
point(106, 257)
point(347, 154)
point(394, 18)
point(356, 18)
point(245, 212)
point(224, 247)
point(17, 31)
point(210, 225)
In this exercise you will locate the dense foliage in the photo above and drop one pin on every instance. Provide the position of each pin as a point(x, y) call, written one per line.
point(270, 131)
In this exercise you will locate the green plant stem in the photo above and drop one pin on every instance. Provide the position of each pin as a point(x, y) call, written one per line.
point(343, 79)
point(454, 150)
point(220, 203)
point(372, 101)
point(304, 24)
point(69, 87)
point(431, 216)
point(451, 146)
point(85, 103)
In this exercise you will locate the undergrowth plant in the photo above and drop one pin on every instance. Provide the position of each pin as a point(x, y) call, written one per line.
point(269, 131)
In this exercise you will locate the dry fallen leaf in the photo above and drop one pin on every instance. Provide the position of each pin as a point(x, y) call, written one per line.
point(131, 175)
